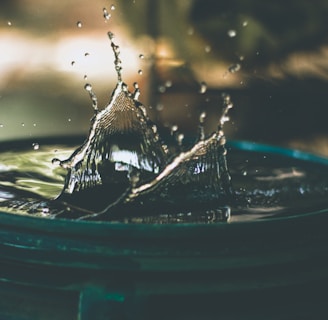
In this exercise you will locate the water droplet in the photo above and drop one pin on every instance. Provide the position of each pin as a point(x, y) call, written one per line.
point(93, 97)
point(141, 56)
point(35, 146)
point(234, 68)
point(85, 77)
point(140, 72)
point(79, 24)
point(34, 124)
point(112, 7)
point(174, 129)
point(231, 33)
point(190, 31)
point(159, 107)
point(88, 87)
point(203, 87)
point(86, 54)
point(202, 117)
point(245, 23)
point(106, 14)
point(69, 119)
point(208, 49)
point(9, 23)
point(23, 124)
point(72, 63)
point(180, 139)
point(168, 83)
point(1, 125)
point(161, 88)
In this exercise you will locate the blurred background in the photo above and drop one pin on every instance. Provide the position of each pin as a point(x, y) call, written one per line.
point(270, 56)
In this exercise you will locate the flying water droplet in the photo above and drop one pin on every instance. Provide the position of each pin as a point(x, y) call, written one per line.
point(245, 23)
point(79, 24)
point(232, 33)
point(112, 7)
point(208, 49)
point(140, 72)
point(168, 83)
point(141, 56)
point(9, 23)
point(92, 95)
point(203, 87)
point(35, 146)
point(72, 63)
point(161, 88)
point(234, 68)
point(174, 129)
point(106, 14)
point(190, 31)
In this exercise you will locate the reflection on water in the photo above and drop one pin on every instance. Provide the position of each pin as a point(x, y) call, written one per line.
point(266, 186)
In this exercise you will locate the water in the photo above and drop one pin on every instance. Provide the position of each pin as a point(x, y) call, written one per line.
point(124, 171)
point(266, 185)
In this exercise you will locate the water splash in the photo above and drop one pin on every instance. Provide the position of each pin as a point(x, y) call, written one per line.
point(123, 161)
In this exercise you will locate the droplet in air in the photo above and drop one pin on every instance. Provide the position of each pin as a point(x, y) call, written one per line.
point(72, 63)
point(87, 54)
point(141, 56)
point(161, 88)
point(85, 77)
point(112, 7)
point(140, 72)
point(88, 87)
point(1, 125)
point(93, 97)
point(245, 23)
point(208, 49)
point(9, 23)
point(190, 31)
point(232, 33)
point(35, 146)
point(174, 129)
point(106, 14)
point(203, 87)
point(159, 107)
point(234, 68)
point(23, 124)
point(168, 83)
point(79, 24)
